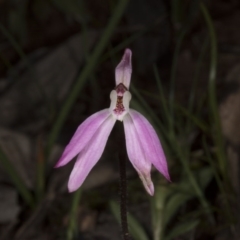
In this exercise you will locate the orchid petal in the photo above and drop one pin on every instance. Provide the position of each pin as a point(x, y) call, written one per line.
point(90, 154)
point(150, 142)
point(82, 136)
point(127, 96)
point(136, 154)
point(123, 70)
point(113, 98)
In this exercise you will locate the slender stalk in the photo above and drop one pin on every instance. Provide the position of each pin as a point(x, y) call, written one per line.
point(123, 197)
point(72, 227)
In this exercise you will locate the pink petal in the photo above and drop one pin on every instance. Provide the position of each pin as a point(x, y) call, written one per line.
point(136, 154)
point(90, 154)
point(123, 70)
point(150, 143)
point(82, 136)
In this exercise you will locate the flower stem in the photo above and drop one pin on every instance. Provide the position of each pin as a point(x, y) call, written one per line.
point(123, 196)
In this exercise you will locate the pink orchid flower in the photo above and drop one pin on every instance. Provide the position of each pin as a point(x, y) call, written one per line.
point(89, 141)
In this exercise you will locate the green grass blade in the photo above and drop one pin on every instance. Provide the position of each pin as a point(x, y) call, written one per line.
point(173, 74)
point(164, 104)
point(184, 191)
point(182, 228)
point(14, 44)
point(125, 43)
point(16, 179)
point(196, 75)
point(194, 183)
point(173, 205)
point(227, 209)
point(41, 165)
point(197, 121)
point(218, 138)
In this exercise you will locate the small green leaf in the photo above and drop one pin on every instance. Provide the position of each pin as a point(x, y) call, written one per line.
point(174, 203)
point(204, 176)
point(186, 192)
point(182, 228)
point(72, 227)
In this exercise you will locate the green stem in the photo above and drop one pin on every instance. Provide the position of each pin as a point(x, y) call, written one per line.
point(158, 206)
point(72, 227)
point(123, 196)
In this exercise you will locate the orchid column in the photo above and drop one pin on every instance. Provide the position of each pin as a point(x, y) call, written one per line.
point(88, 142)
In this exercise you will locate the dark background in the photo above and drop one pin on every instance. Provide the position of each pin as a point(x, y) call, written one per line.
point(44, 48)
